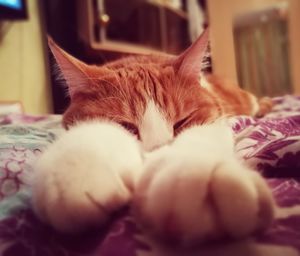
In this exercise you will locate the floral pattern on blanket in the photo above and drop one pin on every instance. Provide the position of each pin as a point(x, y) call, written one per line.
point(270, 144)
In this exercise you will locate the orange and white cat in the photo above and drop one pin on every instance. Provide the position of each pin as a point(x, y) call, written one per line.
point(144, 131)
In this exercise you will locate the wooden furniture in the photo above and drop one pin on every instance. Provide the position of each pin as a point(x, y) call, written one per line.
point(97, 31)
point(137, 27)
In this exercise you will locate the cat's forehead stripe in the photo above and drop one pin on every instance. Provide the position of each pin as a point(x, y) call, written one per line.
point(155, 130)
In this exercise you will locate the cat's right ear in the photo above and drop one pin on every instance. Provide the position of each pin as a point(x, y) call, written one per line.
point(189, 62)
point(73, 70)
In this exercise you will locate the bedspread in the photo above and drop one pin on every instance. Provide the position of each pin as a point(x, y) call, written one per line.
point(270, 144)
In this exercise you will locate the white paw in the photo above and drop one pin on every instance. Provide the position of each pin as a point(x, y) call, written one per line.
point(85, 176)
point(188, 198)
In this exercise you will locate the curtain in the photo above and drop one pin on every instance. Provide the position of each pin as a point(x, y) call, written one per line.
point(261, 50)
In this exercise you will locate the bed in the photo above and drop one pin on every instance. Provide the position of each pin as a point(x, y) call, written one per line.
point(270, 144)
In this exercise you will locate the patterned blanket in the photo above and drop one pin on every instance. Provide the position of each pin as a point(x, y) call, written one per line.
point(270, 144)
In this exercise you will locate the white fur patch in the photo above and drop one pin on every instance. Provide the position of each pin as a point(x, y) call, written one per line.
point(155, 130)
point(204, 83)
point(200, 187)
point(192, 189)
point(85, 175)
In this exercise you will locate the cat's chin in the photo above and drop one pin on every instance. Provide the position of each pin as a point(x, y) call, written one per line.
point(194, 191)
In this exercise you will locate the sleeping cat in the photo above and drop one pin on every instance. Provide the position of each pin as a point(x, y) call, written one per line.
point(144, 131)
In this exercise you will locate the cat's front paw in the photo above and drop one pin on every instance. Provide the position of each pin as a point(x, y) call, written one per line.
point(85, 176)
point(188, 200)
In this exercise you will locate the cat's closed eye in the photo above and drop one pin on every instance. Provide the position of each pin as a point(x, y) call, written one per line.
point(131, 128)
point(180, 124)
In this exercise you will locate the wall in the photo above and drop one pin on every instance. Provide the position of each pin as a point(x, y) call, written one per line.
point(23, 65)
point(221, 14)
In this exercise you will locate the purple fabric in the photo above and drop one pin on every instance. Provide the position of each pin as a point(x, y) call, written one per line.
point(271, 145)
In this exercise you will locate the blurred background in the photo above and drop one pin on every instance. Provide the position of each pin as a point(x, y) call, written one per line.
point(254, 43)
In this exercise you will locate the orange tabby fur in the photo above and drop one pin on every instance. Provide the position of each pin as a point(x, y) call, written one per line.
point(119, 91)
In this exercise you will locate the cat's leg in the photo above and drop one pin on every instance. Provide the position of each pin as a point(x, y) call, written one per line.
point(196, 190)
point(85, 175)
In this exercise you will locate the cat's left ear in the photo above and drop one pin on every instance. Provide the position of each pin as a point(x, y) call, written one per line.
point(75, 72)
point(189, 62)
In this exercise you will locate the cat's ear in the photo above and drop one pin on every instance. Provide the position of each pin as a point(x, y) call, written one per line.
point(189, 62)
point(73, 70)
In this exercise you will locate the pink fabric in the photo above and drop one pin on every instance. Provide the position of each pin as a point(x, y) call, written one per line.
point(271, 145)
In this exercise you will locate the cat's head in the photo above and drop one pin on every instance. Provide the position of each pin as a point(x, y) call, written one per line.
point(154, 97)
